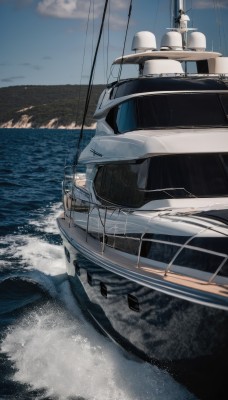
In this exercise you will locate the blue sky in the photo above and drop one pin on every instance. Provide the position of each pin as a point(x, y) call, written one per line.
point(43, 41)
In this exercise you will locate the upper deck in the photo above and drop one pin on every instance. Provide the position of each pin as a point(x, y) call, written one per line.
point(167, 84)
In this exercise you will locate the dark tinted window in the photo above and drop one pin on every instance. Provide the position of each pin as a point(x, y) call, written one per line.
point(170, 110)
point(174, 176)
point(158, 251)
point(162, 84)
point(126, 117)
point(189, 258)
point(200, 175)
point(118, 184)
point(198, 260)
point(126, 244)
point(181, 110)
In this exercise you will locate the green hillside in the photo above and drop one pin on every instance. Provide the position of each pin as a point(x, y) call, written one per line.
point(47, 102)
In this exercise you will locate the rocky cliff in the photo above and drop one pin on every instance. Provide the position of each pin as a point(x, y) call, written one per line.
point(50, 107)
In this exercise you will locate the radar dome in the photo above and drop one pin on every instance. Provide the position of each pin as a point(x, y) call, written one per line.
point(197, 41)
point(171, 41)
point(163, 66)
point(144, 41)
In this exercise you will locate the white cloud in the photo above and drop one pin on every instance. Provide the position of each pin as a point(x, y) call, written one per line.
point(205, 4)
point(64, 8)
point(76, 9)
point(117, 22)
point(121, 4)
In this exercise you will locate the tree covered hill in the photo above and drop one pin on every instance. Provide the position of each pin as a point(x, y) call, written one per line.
point(38, 105)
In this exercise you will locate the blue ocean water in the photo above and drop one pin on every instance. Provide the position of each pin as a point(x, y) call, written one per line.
point(48, 350)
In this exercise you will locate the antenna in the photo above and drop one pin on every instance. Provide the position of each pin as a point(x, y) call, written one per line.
point(180, 20)
point(178, 10)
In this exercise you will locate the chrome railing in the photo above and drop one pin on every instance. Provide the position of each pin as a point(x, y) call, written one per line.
point(102, 211)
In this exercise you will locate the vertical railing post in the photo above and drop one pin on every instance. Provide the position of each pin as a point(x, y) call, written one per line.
point(139, 250)
point(218, 269)
point(87, 225)
point(103, 241)
point(181, 248)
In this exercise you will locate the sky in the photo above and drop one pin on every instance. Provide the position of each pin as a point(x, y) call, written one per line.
point(44, 42)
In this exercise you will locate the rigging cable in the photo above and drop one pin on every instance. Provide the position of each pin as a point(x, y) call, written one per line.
point(106, 46)
point(92, 36)
point(108, 39)
point(129, 16)
point(83, 62)
point(89, 89)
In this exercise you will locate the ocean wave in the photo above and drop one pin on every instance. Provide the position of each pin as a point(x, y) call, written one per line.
point(18, 291)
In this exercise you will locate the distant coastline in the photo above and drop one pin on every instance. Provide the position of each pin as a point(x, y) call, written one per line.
point(47, 107)
point(25, 123)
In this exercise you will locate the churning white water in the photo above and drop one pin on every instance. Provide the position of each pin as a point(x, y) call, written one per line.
point(54, 348)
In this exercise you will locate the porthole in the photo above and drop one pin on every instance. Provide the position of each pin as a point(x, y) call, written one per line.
point(77, 268)
point(133, 303)
point(104, 290)
point(89, 279)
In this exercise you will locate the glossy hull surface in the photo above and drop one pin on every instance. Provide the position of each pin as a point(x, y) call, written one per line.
point(188, 339)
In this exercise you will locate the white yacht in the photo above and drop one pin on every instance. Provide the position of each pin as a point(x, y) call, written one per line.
point(145, 226)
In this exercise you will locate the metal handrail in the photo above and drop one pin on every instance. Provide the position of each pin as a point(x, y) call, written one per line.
point(180, 250)
point(181, 247)
point(127, 212)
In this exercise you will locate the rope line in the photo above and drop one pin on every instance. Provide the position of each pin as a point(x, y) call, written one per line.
point(89, 89)
point(83, 62)
point(129, 16)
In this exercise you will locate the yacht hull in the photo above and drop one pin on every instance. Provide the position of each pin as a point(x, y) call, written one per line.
point(186, 338)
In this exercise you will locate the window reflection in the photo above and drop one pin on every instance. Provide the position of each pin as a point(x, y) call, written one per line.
point(170, 110)
point(161, 177)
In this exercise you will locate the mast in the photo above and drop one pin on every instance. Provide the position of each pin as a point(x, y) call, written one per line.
point(180, 20)
point(178, 10)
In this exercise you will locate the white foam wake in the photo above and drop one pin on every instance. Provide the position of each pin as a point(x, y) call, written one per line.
point(48, 223)
point(54, 348)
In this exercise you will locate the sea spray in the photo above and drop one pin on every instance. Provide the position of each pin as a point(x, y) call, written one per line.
point(53, 350)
